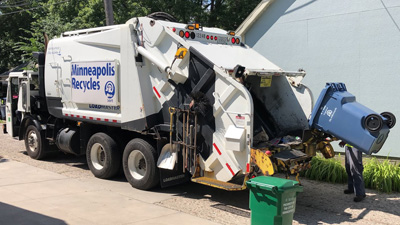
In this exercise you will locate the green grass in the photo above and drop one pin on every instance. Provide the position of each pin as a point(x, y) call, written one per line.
point(381, 175)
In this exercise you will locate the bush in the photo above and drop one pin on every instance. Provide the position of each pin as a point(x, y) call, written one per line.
point(329, 170)
point(382, 176)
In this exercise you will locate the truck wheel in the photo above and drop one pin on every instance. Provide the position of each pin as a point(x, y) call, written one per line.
point(139, 163)
point(35, 143)
point(103, 156)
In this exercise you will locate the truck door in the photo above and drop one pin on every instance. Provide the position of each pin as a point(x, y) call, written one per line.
point(24, 96)
point(11, 107)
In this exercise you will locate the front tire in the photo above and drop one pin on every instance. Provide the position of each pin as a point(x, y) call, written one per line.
point(103, 156)
point(139, 164)
point(35, 143)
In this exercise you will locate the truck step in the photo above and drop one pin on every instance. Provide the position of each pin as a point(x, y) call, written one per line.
point(218, 184)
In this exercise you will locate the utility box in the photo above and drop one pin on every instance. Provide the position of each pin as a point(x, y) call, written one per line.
point(272, 200)
point(235, 138)
point(336, 112)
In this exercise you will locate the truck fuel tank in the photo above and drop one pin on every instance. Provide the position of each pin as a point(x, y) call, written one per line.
point(68, 141)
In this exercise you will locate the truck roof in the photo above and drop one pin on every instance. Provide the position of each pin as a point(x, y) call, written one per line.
point(223, 53)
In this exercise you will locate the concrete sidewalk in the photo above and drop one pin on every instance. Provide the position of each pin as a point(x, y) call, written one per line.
point(29, 195)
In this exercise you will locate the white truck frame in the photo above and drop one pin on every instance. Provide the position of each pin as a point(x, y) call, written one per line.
point(167, 102)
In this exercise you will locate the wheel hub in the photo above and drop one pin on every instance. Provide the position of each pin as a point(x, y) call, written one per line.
point(97, 156)
point(142, 164)
point(137, 164)
point(32, 141)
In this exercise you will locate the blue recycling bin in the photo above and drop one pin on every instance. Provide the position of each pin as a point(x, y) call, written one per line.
point(337, 113)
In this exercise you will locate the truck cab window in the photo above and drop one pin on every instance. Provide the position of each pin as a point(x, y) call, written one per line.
point(13, 94)
point(34, 86)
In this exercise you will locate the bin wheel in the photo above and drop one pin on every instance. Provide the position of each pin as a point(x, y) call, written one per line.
point(373, 123)
point(391, 119)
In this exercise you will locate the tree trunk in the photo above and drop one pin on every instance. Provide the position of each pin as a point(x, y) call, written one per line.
point(109, 12)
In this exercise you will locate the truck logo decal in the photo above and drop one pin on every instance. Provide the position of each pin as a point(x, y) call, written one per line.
point(328, 112)
point(109, 89)
point(95, 82)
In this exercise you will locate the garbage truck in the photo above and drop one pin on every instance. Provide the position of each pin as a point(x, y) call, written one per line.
point(167, 102)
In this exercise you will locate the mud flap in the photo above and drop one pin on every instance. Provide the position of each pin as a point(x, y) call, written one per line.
point(172, 177)
point(175, 176)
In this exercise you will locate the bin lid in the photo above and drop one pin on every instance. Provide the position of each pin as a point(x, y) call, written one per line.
point(272, 183)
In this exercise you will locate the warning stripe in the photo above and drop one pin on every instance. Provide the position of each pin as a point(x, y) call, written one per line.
point(227, 165)
point(216, 148)
point(92, 118)
point(230, 169)
point(158, 94)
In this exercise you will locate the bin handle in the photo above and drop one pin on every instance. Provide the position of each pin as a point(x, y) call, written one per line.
point(273, 188)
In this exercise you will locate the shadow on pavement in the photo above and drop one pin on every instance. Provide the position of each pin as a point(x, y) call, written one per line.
point(13, 215)
point(326, 203)
point(62, 158)
point(319, 203)
point(230, 201)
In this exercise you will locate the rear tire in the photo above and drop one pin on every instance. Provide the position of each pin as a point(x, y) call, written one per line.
point(139, 164)
point(103, 156)
point(35, 143)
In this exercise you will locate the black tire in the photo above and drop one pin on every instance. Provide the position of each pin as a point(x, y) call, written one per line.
point(391, 119)
point(103, 156)
point(139, 163)
point(35, 143)
point(373, 123)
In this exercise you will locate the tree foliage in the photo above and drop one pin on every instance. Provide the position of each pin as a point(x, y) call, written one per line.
point(11, 32)
point(25, 21)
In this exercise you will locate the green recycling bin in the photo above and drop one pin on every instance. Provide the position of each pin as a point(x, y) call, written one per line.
point(272, 200)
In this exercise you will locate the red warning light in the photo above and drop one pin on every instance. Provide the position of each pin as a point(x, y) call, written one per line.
point(216, 38)
point(212, 37)
point(233, 40)
point(208, 37)
point(174, 29)
point(187, 34)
